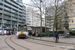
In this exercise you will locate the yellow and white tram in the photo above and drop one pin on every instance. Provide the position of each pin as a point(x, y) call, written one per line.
point(22, 31)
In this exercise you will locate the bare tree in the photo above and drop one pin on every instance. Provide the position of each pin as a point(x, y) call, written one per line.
point(41, 4)
point(59, 12)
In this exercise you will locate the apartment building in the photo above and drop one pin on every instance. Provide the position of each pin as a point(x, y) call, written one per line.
point(50, 16)
point(12, 12)
point(32, 17)
point(70, 7)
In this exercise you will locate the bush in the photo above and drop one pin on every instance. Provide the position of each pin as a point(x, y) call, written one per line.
point(59, 32)
point(51, 34)
point(42, 34)
point(72, 32)
point(45, 34)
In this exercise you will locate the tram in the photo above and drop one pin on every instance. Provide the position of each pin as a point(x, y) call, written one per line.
point(22, 31)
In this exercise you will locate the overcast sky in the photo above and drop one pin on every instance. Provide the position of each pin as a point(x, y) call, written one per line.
point(29, 2)
point(26, 1)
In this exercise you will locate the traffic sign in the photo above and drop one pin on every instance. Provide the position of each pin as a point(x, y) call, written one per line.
point(3, 26)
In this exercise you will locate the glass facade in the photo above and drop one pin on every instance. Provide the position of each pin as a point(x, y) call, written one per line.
point(12, 12)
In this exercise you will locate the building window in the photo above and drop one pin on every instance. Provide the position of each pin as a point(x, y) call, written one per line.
point(73, 24)
point(69, 21)
point(73, 14)
point(69, 18)
point(73, 11)
point(73, 7)
point(69, 25)
point(69, 14)
point(68, 11)
point(73, 21)
point(73, 17)
point(70, 29)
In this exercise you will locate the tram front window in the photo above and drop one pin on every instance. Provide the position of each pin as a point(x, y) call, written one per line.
point(22, 28)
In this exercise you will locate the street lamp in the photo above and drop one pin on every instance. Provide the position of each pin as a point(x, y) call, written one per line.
point(2, 20)
point(41, 15)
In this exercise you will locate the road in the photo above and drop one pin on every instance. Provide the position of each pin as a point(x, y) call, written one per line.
point(11, 42)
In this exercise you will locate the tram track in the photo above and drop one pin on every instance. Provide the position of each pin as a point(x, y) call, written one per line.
point(46, 44)
point(9, 44)
point(9, 40)
point(15, 44)
point(19, 45)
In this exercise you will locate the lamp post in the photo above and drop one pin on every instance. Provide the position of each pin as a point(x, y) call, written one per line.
point(41, 16)
point(2, 20)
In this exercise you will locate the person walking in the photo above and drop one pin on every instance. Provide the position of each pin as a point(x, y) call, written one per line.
point(30, 33)
point(56, 36)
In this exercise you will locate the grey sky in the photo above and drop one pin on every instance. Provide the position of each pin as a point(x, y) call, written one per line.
point(26, 1)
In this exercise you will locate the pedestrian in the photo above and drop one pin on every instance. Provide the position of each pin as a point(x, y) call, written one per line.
point(30, 33)
point(48, 32)
point(36, 33)
point(56, 36)
point(68, 35)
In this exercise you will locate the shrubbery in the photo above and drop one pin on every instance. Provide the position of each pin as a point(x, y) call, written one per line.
point(45, 34)
point(59, 32)
point(42, 34)
point(72, 32)
point(51, 34)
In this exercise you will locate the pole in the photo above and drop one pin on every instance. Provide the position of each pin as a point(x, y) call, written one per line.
point(41, 15)
point(45, 20)
point(3, 31)
point(2, 20)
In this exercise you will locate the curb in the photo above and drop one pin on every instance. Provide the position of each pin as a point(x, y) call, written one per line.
point(52, 41)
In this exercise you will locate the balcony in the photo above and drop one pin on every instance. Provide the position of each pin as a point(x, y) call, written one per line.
point(0, 21)
point(8, 18)
point(7, 13)
point(7, 22)
point(7, 9)
point(1, 6)
point(18, 3)
point(14, 11)
point(14, 15)
point(1, 11)
point(14, 19)
point(14, 4)
point(7, 4)
point(20, 20)
point(11, 2)
point(14, 23)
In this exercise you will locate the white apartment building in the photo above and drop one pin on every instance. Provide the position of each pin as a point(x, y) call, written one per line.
point(33, 18)
point(29, 16)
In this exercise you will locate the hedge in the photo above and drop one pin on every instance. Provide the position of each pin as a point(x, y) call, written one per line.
point(45, 34)
point(59, 32)
point(72, 32)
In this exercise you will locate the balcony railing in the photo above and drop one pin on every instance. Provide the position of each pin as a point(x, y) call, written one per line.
point(7, 13)
point(14, 23)
point(7, 22)
point(7, 18)
point(1, 11)
point(0, 21)
point(7, 4)
point(7, 8)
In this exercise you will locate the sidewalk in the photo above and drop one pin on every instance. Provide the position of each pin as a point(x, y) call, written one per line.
point(52, 39)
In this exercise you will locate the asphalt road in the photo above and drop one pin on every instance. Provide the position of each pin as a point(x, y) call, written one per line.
point(11, 42)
